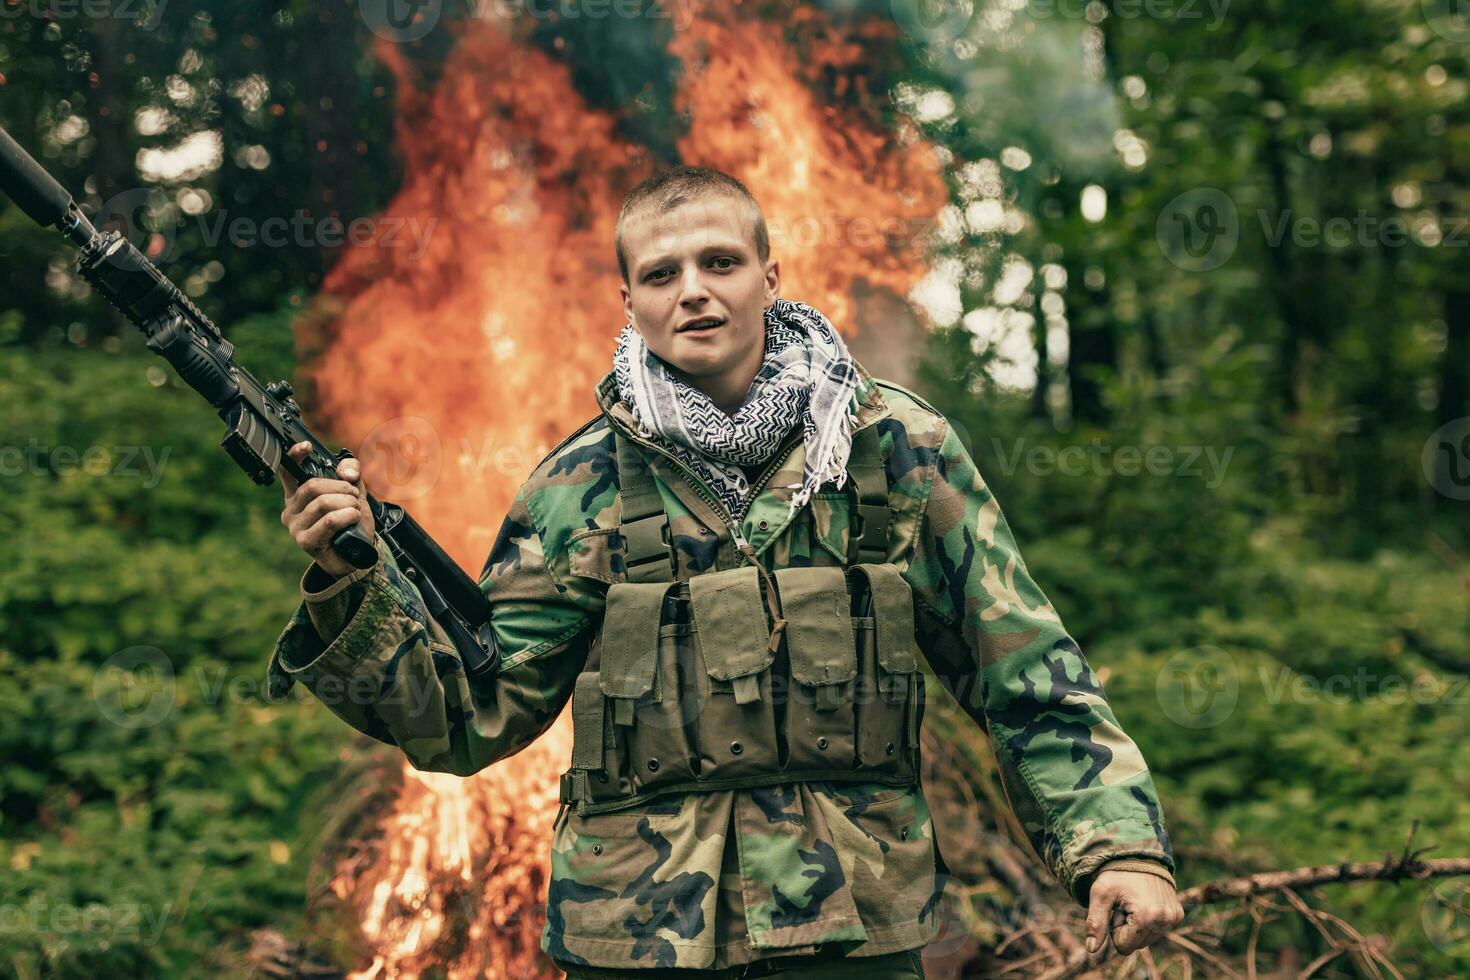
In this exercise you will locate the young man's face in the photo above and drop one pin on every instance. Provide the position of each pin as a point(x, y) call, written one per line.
point(693, 264)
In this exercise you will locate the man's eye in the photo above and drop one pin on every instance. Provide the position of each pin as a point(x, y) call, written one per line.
point(726, 259)
point(657, 274)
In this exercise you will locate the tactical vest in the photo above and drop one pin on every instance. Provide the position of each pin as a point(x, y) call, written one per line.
point(737, 677)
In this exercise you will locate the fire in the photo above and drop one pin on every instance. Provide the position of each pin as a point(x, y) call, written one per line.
point(455, 370)
point(844, 199)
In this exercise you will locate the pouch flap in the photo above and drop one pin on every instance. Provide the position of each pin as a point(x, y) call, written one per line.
point(630, 623)
point(893, 616)
point(731, 622)
point(587, 722)
point(818, 624)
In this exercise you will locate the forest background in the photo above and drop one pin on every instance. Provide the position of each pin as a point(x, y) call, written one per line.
point(1199, 301)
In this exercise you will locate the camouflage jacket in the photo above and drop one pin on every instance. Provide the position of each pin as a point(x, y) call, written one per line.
point(711, 879)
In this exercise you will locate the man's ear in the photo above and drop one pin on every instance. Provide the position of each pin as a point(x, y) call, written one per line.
point(773, 281)
point(627, 303)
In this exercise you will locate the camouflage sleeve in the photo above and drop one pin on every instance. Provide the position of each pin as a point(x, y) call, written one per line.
point(1077, 782)
point(367, 648)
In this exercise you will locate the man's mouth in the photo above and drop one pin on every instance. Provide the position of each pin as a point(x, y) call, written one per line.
point(702, 324)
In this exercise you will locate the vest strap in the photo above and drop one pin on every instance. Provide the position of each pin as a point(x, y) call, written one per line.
point(645, 525)
point(868, 541)
point(587, 722)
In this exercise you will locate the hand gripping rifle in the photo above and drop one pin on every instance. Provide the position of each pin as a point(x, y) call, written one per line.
point(261, 421)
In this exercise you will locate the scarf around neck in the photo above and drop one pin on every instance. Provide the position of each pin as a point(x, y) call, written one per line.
point(807, 376)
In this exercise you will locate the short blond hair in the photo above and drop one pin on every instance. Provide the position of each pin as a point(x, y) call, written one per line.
point(667, 190)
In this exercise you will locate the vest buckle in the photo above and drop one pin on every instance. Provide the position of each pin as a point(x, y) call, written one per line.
point(646, 545)
point(871, 529)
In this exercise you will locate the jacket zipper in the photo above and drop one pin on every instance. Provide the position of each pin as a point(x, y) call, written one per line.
point(708, 496)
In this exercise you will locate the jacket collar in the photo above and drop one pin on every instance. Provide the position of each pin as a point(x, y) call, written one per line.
point(867, 399)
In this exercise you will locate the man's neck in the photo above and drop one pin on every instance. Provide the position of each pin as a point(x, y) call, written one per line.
point(728, 391)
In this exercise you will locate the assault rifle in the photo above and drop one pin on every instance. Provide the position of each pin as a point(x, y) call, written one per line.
point(261, 421)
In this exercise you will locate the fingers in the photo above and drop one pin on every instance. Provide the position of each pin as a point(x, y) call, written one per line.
point(1099, 914)
point(317, 538)
point(1140, 922)
point(323, 505)
point(297, 452)
point(1143, 928)
point(299, 511)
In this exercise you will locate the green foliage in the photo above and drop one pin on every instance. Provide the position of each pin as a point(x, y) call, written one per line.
point(1348, 675)
point(1339, 738)
point(1224, 466)
point(150, 797)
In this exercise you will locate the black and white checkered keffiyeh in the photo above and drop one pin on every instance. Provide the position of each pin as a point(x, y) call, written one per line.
point(807, 374)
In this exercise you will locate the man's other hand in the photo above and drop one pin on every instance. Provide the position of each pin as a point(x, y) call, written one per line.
point(317, 509)
point(1148, 909)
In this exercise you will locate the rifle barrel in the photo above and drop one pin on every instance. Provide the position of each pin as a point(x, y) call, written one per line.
point(28, 184)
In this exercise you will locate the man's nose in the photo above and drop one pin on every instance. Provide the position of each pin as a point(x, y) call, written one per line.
point(692, 291)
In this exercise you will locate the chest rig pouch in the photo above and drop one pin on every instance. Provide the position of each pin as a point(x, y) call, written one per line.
point(734, 678)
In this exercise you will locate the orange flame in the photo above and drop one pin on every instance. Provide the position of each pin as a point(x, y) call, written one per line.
point(453, 372)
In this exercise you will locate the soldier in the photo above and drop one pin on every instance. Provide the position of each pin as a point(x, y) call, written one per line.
point(729, 572)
